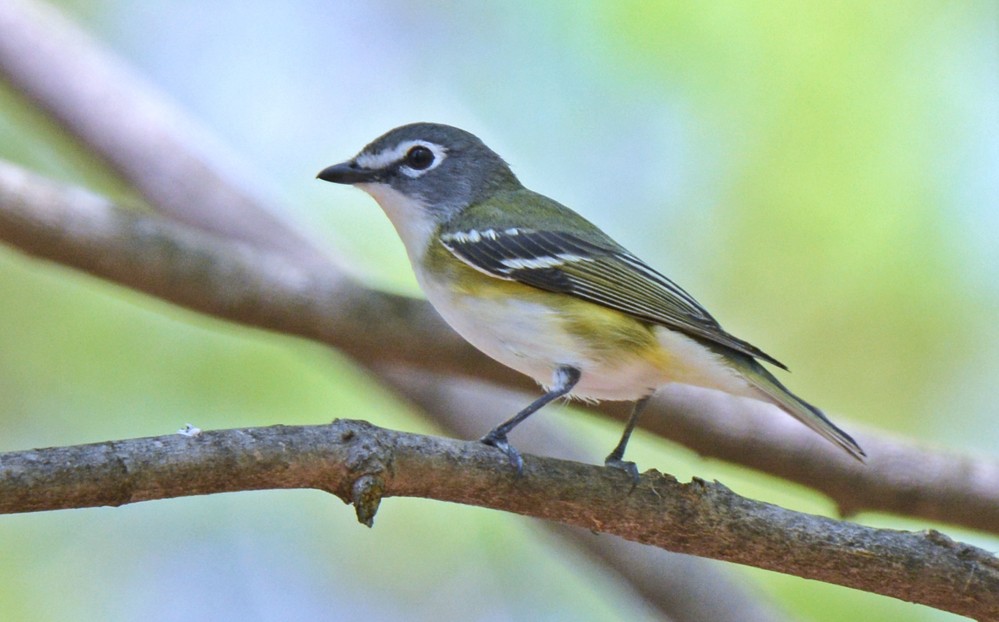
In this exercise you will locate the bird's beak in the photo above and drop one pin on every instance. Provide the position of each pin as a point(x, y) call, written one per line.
point(346, 173)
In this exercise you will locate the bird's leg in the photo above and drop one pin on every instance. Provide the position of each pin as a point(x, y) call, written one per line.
point(616, 458)
point(564, 379)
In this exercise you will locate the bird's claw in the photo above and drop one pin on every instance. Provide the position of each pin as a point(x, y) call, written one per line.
point(500, 442)
point(624, 465)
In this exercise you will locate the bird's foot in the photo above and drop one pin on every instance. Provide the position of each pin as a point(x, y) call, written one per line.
point(615, 462)
point(499, 441)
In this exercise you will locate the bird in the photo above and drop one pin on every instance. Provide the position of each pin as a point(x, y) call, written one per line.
point(544, 291)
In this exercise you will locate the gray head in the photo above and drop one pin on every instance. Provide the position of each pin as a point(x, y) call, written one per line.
point(442, 167)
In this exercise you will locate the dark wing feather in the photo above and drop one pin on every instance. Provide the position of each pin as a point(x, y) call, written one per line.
point(561, 262)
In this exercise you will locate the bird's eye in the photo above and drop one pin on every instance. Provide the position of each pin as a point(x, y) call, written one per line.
point(419, 158)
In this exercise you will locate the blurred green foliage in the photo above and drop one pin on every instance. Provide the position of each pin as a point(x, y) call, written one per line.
point(823, 176)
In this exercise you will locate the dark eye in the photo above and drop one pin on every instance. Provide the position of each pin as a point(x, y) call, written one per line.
point(419, 158)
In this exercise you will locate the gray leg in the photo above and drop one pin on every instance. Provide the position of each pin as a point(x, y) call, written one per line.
point(565, 379)
point(616, 458)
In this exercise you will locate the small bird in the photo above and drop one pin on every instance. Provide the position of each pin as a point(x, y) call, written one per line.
point(537, 287)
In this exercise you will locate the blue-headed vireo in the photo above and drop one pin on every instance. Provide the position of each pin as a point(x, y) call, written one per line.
point(542, 290)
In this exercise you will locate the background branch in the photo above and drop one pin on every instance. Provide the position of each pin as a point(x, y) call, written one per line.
point(361, 464)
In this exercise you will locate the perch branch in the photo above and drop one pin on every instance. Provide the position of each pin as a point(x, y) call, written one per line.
point(362, 464)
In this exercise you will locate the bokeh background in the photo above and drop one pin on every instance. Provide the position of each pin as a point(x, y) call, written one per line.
point(822, 176)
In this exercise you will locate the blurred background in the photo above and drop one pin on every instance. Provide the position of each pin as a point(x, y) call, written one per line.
point(823, 177)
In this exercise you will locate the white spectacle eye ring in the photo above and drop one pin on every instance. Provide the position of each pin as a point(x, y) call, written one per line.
point(400, 153)
point(420, 158)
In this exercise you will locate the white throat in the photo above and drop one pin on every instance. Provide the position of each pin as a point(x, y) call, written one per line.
point(410, 217)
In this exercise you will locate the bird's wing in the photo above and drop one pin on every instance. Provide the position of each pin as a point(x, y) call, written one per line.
point(602, 273)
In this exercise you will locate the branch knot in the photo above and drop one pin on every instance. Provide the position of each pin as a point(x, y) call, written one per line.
point(369, 457)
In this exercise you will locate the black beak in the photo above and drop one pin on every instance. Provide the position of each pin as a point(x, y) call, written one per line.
point(346, 173)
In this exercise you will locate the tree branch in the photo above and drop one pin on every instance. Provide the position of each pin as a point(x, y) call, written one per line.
point(362, 464)
point(234, 281)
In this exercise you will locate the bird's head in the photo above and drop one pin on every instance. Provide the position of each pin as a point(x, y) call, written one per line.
point(434, 168)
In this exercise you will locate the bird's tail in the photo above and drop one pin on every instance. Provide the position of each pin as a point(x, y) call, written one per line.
point(759, 377)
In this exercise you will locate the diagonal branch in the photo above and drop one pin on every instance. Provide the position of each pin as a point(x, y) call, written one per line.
point(363, 464)
point(237, 282)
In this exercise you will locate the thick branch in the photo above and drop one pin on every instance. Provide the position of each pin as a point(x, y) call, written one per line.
point(236, 282)
point(362, 464)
